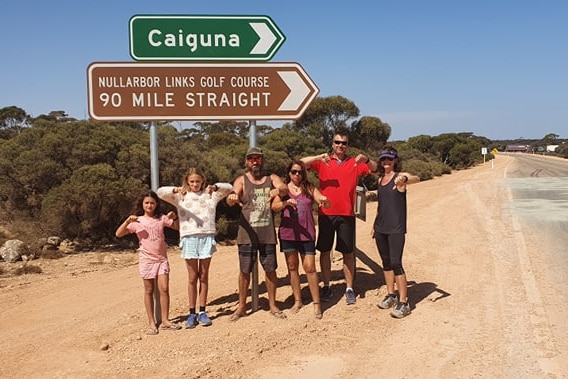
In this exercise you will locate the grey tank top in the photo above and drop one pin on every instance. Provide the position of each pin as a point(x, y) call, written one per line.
point(256, 224)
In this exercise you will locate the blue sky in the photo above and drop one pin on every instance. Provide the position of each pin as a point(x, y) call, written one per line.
point(498, 69)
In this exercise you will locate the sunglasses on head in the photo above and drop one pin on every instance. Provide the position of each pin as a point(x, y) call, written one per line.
point(344, 143)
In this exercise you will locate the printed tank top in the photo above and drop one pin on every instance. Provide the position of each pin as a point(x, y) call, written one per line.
point(256, 224)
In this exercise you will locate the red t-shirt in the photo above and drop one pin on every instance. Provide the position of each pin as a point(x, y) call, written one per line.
point(338, 182)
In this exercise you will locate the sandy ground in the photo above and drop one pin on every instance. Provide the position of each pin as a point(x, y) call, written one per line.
point(479, 292)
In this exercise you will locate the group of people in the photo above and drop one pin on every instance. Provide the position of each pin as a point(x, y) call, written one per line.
point(260, 195)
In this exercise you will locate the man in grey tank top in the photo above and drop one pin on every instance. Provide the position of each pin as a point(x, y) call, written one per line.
point(254, 192)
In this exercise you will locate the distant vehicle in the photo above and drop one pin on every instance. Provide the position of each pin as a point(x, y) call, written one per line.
point(518, 149)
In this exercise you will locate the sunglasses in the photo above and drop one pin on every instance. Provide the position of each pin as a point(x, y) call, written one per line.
point(254, 158)
point(296, 172)
point(386, 159)
point(344, 143)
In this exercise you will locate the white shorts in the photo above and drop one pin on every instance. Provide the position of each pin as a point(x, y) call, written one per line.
point(200, 246)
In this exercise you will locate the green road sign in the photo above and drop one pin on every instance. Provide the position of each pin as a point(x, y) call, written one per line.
point(203, 38)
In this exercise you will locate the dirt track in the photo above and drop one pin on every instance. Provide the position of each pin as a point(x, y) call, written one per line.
point(480, 295)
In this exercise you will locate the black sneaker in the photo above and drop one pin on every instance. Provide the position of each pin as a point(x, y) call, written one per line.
point(326, 293)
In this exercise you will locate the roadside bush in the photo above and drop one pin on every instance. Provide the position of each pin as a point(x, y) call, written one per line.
point(227, 229)
point(28, 269)
point(426, 170)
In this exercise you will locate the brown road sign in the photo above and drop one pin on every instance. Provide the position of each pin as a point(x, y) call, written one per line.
point(198, 91)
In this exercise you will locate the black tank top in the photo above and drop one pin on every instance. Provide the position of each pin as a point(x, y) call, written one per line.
point(391, 212)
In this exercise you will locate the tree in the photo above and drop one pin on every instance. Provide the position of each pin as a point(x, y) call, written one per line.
point(60, 116)
point(369, 133)
point(550, 139)
point(326, 114)
point(12, 120)
point(91, 203)
point(293, 143)
point(422, 143)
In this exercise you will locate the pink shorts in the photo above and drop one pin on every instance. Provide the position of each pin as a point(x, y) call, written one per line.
point(151, 270)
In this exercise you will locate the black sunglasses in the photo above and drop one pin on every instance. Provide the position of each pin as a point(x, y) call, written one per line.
point(344, 143)
point(296, 172)
point(386, 159)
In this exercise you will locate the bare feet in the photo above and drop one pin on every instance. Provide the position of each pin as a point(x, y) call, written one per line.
point(152, 330)
point(278, 314)
point(297, 306)
point(170, 326)
point(237, 315)
point(317, 311)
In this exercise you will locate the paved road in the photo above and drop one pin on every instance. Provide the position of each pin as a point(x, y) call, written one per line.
point(539, 187)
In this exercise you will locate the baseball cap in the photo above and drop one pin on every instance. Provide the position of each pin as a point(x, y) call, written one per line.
point(254, 151)
point(390, 153)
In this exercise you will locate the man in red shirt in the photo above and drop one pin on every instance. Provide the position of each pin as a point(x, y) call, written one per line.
point(338, 174)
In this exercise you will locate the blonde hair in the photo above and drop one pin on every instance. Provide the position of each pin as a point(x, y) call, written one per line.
point(188, 173)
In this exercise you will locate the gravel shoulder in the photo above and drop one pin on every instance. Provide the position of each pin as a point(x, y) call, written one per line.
point(479, 290)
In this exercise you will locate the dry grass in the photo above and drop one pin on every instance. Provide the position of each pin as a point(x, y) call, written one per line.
point(28, 269)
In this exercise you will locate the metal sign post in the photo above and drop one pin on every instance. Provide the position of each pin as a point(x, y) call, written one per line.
point(154, 184)
point(254, 288)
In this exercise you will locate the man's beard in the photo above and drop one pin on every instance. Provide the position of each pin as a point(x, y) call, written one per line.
point(256, 171)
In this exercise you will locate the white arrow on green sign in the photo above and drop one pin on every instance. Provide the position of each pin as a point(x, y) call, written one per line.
point(203, 38)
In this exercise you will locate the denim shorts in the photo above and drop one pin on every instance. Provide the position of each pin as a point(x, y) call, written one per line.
point(303, 247)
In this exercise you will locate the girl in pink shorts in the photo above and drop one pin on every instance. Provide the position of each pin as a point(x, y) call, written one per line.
point(148, 223)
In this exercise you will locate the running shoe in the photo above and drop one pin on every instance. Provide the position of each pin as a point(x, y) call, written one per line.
point(350, 297)
point(326, 293)
point(401, 310)
point(389, 301)
point(191, 321)
point(203, 319)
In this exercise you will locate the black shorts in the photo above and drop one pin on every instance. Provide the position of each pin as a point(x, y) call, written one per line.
point(329, 227)
point(248, 255)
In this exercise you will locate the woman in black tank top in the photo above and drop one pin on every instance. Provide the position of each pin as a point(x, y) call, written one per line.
point(390, 229)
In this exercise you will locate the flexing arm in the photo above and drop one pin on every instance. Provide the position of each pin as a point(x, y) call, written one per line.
point(175, 220)
point(279, 203)
point(221, 190)
point(280, 188)
point(169, 194)
point(320, 157)
point(362, 158)
point(238, 189)
point(403, 179)
point(321, 199)
point(122, 230)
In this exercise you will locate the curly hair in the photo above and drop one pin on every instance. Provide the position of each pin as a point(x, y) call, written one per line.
point(397, 162)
